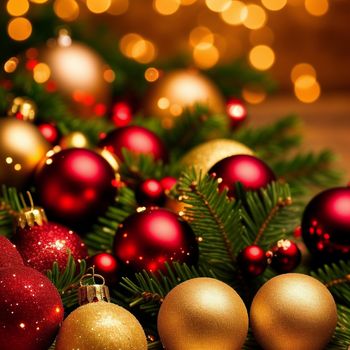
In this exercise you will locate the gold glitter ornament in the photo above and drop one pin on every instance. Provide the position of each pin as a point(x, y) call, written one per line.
point(22, 147)
point(207, 154)
point(202, 313)
point(293, 311)
point(23, 108)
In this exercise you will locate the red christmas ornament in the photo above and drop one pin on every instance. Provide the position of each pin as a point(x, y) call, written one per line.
point(75, 186)
point(236, 111)
point(136, 139)
point(106, 265)
point(252, 172)
point(326, 224)
point(147, 239)
point(121, 114)
point(168, 183)
point(150, 192)
point(285, 256)
point(50, 132)
point(9, 256)
point(31, 309)
point(252, 261)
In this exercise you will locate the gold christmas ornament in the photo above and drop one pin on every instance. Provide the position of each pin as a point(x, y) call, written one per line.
point(293, 311)
point(22, 147)
point(75, 139)
point(22, 108)
point(205, 314)
point(177, 90)
point(205, 155)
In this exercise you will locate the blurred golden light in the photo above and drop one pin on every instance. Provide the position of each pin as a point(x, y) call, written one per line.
point(98, 6)
point(261, 57)
point(166, 7)
point(307, 89)
point(67, 10)
point(176, 110)
point(205, 56)
point(41, 73)
point(118, 7)
point(274, 5)
point(317, 7)
point(187, 2)
point(302, 69)
point(19, 29)
point(253, 94)
point(256, 17)
point(11, 65)
point(218, 5)
point(151, 74)
point(263, 35)
point(143, 51)
point(235, 14)
point(39, 1)
point(18, 167)
point(17, 7)
point(163, 103)
point(109, 75)
point(127, 42)
point(201, 35)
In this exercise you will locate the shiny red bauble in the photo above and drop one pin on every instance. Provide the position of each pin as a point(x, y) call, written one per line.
point(326, 224)
point(236, 111)
point(285, 256)
point(31, 309)
point(150, 192)
point(75, 186)
point(252, 261)
point(41, 246)
point(50, 132)
point(147, 239)
point(250, 171)
point(106, 265)
point(121, 114)
point(168, 183)
point(136, 139)
point(9, 256)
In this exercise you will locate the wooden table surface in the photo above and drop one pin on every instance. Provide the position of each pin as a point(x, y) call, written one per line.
point(326, 122)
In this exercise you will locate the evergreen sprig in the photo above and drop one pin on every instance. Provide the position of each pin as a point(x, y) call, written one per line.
point(341, 337)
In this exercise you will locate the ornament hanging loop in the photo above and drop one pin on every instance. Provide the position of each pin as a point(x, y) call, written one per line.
point(30, 216)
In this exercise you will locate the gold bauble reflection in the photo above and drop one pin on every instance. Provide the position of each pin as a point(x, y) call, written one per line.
point(293, 311)
point(75, 139)
point(78, 73)
point(205, 155)
point(101, 325)
point(177, 90)
point(22, 147)
point(205, 314)
point(22, 108)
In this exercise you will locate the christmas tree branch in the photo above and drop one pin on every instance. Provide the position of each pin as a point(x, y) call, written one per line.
point(341, 337)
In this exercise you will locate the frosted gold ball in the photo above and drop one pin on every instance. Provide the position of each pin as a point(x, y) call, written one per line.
point(205, 155)
point(202, 314)
point(101, 325)
point(181, 89)
point(293, 312)
point(22, 147)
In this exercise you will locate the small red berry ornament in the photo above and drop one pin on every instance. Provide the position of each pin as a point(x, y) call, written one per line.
point(9, 256)
point(135, 139)
point(147, 239)
point(236, 111)
point(326, 224)
point(106, 265)
point(31, 309)
point(50, 132)
point(252, 261)
point(168, 183)
point(250, 171)
point(285, 256)
point(150, 192)
point(121, 114)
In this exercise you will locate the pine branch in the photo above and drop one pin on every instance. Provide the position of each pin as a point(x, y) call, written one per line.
point(341, 337)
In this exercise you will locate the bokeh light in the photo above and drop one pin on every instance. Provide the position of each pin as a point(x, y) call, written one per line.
point(201, 36)
point(19, 29)
point(118, 7)
point(317, 7)
point(39, 1)
point(151, 74)
point(218, 5)
point(253, 94)
point(205, 56)
point(109, 75)
point(98, 6)
point(302, 69)
point(68, 10)
point(274, 5)
point(11, 65)
point(261, 57)
point(143, 51)
point(17, 7)
point(255, 18)
point(41, 73)
point(307, 89)
point(127, 42)
point(235, 14)
point(264, 35)
point(166, 7)
point(187, 2)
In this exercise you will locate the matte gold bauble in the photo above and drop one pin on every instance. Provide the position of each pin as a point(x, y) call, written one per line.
point(101, 325)
point(78, 74)
point(202, 314)
point(178, 90)
point(205, 155)
point(293, 311)
point(22, 108)
point(22, 147)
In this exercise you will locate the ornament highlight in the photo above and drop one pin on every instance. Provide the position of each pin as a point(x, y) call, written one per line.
point(121, 114)
point(236, 111)
point(75, 139)
point(252, 260)
point(202, 313)
point(106, 265)
point(150, 192)
point(9, 256)
point(293, 311)
point(50, 132)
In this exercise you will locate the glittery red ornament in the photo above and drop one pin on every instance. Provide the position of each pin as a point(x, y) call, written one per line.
point(31, 309)
point(285, 256)
point(147, 239)
point(150, 192)
point(50, 132)
point(75, 186)
point(136, 139)
point(252, 172)
point(252, 260)
point(106, 265)
point(168, 182)
point(121, 114)
point(326, 224)
point(9, 256)
point(236, 111)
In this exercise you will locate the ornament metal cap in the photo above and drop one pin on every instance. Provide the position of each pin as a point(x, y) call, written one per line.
point(91, 293)
point(22, 108)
